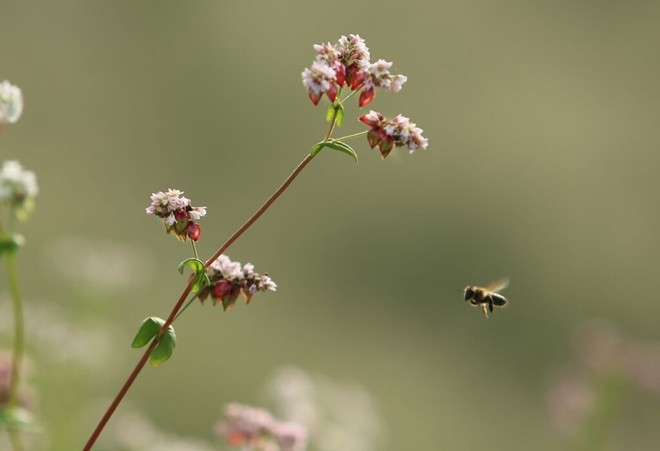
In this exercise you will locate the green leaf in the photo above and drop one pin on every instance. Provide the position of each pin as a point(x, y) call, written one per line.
point(17, 418)
point(195, 264)
point(340, 114)
point(149, 329)
point(342, 147)
point(330, 112)
point(164, 348)
point(10, 244)
point(201, 280)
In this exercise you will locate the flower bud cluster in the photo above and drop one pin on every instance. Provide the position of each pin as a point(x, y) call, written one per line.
point(397, 132)
point(347, 64)
point(18, 186)
point(177, 213)
point(228, 280)
point(256, 429)
point(11, 103)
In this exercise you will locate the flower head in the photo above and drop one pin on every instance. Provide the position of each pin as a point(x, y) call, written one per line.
point(228, 279)
point(11, 103)
point(256, 428)
point(18, 187)
point(177, 213)
point(347, 64)
point(397, 132)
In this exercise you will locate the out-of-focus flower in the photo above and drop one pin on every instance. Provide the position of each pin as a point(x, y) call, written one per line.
point(177, 213)
point(18, 188)
point(11, 103)
point(347, 64)
point(397, 132)
point(604, 361)
point(257, 429)
point(229, 280)
point(338, 416)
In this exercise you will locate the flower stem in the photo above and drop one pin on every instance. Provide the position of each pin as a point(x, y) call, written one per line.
point(19, 344)
point(354, 135)
point(175, 310)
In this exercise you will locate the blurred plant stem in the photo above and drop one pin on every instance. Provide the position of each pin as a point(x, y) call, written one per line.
point(19, 336)
point(177, 307)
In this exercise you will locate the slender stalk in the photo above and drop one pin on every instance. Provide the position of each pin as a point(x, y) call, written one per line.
point(354, 135)
point(143, 360)
point(19, 340)
point(19, 331)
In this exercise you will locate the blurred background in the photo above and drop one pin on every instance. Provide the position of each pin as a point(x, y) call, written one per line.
point(542, 166)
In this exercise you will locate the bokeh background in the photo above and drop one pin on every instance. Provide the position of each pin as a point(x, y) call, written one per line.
point(542, 166)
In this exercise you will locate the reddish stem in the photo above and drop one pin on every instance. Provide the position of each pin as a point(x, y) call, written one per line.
point(143, 360)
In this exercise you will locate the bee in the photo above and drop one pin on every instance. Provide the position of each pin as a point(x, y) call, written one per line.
point(488, 296)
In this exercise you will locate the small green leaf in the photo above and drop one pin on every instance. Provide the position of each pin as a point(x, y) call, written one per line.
point(10, 244)
point(149, 329)
point(195, 264)
point(201, 280)
point(342, 147)
point(340, 114)
point(17, 418)
point(164, 348)
point(330, 113)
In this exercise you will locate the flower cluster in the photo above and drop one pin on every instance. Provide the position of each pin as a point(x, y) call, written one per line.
point(177, 213)
point(229, 280)
point(18, 187)
point(256, 428)
point(347, 64)
point(11, 103)
point(397, 132)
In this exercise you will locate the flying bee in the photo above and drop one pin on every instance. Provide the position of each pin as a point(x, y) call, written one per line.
point(488, 296)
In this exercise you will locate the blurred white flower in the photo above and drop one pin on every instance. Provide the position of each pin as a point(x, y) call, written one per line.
point(338, 416)
point(11, 103)
point(17, 185)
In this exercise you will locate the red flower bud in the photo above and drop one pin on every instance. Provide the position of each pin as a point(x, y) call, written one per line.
point(332, 92)
point(350, 73)
point(180, 215)
point(315, 97)
point(340, 72)
point(366, 96)
point(222, 289)
point(371, 123)
point(358, 79)
point(193, 230)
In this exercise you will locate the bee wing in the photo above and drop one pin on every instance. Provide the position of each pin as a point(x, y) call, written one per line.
point(498, 285)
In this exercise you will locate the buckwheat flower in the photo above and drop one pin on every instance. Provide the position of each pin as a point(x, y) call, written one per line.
point(228, 280)
point(11, 103)
point(379, 76)
point(177, 213)
point(267, 283)
point(398, 132)
point(354, 51)
point(318, 79)
point(18, 188)
point(256, 428)
point(326, 53)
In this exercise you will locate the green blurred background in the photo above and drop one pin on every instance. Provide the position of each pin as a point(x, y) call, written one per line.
point(542, 166)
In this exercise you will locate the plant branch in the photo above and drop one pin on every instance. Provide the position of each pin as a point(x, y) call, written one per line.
point(143, 360)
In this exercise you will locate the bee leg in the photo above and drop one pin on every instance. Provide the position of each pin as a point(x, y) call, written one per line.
point(484, 309)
